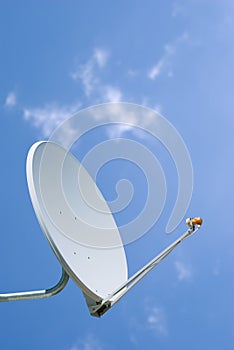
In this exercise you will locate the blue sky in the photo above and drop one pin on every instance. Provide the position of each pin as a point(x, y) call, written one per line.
point(177, 57)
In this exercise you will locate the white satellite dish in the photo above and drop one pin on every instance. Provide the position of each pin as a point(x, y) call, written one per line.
point(97, 271)
point(81, 230)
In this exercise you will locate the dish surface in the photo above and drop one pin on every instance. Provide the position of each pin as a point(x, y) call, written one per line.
point(76, 220)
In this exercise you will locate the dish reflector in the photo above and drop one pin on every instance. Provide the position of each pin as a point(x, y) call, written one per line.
point(76, 220)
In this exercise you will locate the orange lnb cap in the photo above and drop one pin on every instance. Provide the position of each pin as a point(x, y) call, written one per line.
point(194, 221)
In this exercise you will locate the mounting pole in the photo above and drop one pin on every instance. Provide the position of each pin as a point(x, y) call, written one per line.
point(37, 294)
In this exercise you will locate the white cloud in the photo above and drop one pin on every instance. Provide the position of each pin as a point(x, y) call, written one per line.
point(49, 117)
point(156, 69)
point(155, 106)
point(87, 73)
point(178, 9)
point(10, 100)
point(156, 321)
point(158, 108)
point(112, 94)
point(132, 72)
point(118, 115)
point(152, 320)
point(101, 57)
point(165, 62)
point(88, 343)
point(184, 272)
point(117, 131)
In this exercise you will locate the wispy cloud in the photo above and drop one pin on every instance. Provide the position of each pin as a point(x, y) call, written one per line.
point(178, 8)
point(164, 64)
point(132, 73)
point(89, 75)
point(183, 271)
point(88, 343)
point(49, 117)
point(111, 94)
point(156, 321)
point(117, 131)
point(86, 72)
point(155, 106)
point(10, 100)
point(158, 108)
point(101, 57)
point(156, 69)
point(150, 319)
point(86, 75)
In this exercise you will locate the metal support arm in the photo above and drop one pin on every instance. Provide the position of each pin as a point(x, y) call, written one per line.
point(37, 294)
point(194, 224)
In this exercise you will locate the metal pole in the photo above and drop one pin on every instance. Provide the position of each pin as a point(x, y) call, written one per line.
point(37, 294)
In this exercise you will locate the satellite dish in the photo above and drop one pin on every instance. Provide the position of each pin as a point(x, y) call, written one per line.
point(81, 230)
point(71, 225)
